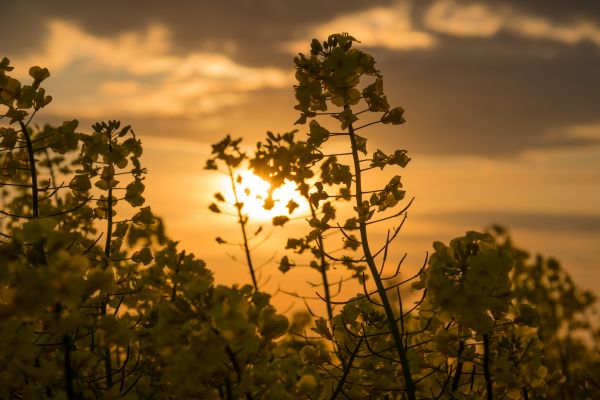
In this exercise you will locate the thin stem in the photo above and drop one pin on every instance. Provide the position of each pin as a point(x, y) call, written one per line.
point(242, 222)
point(323, 267)
point(107, 249)
point(67, 367)
point(342, 380)
point(410, 387)
point(41, 254)
point(33, 170)
point(486, 367)
point(459, 366)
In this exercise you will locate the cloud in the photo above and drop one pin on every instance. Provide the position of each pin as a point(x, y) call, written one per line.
point(569, 222)
point(473, 20)
point(483, 20)
point(388, 27)
point(139, 73)
point(588, 133)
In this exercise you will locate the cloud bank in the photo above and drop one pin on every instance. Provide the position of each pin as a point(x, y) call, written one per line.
point(139, 73)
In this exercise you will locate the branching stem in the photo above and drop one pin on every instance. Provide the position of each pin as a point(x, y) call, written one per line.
point(409, 384)
point(242, 222)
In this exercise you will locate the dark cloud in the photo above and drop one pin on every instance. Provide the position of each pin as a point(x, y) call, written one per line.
point(253, 31)
point(493, 96)
point(576, 223)
point(497, 96)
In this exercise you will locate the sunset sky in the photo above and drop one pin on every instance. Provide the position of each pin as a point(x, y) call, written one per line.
point(502, 105)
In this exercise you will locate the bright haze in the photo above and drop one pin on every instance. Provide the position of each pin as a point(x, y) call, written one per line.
point(502, 105)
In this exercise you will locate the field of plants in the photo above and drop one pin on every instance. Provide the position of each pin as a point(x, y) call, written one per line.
point(96, 302)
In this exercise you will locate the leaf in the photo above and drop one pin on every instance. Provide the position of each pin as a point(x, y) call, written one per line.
point(144, 256)
point(220, 240)
point(346, 117)
point(292, 205)
point(219, 197)
point(280, 220)
point(322, 329)
point(38, 74)
point(9, 138)
point(394, 116)
point(269, 203)
point(144, 216)
point(527, 315)
point(133, 193)
point(285, 264)
point(214, 208)
point(80, 183)
point(120, 229)
point(361, 144)
point(317, 134)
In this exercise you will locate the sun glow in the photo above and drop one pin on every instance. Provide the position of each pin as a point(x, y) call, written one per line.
point(252, 191)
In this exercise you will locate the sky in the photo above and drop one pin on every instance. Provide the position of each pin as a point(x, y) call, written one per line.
point(502, 105)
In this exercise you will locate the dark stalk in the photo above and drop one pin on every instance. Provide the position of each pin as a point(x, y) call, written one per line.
point(323, 266)
point(107, 243)
point(459, 366)
point(242, 221)
point(409, 384)
point(40, 258)
point(342, 380)
point(67, 366)
point(33, 170)
point(486, 367)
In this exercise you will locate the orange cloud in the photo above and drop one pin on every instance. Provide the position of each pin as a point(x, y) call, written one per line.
point(389, 27)
point(488, 19)
point(152, 78)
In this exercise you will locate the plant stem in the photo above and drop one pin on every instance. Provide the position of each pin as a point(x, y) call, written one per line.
point(410, 387)
point(459, 366)
point(242, 222)
point(486, 367)
point(323, 266)
point(107, 245)
point(39, 247)
point(342, 380)
point(67, 366)
point(33, 170)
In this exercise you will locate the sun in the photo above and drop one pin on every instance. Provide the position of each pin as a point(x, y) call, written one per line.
point(252, 191)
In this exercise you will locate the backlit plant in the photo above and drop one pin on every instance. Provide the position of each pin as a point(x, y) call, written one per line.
point(96, 302)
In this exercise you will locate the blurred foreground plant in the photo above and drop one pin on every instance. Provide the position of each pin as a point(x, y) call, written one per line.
point(97, 303)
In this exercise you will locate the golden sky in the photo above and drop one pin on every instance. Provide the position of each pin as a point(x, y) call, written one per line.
point(501, 98)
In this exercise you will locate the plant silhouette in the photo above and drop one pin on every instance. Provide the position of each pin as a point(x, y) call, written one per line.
point(96, 302)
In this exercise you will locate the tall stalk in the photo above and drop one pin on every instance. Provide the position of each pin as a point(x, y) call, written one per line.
point(381, 291)
point(107, 250)
point(242, 220)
